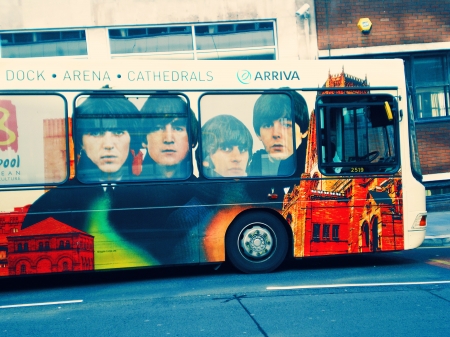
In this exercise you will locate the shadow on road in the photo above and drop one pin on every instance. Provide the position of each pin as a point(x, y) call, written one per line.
point(31, 282)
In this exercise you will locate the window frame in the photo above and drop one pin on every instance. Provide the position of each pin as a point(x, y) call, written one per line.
point(66, 138)
point(242, 93)
point(134, 93)
point(354, 168)
point(196, 53)
point(42, 38)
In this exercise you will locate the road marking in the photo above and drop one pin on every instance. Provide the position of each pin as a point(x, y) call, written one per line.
point(445, 263)
point(441, 261)
point(324, 286)
point(39, 304)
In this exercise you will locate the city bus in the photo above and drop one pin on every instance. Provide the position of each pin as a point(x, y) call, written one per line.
point(131, 164)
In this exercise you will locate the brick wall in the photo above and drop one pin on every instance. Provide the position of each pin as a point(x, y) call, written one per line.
point(434, 150)
point(393, 22)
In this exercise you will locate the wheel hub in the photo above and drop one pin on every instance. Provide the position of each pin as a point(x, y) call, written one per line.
point(256, 242)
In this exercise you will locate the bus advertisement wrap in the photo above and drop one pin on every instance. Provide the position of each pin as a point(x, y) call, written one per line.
point(130, 176)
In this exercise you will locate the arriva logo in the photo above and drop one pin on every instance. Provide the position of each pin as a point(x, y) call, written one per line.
point(244, 76)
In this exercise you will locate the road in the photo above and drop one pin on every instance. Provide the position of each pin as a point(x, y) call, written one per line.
point(402, 294)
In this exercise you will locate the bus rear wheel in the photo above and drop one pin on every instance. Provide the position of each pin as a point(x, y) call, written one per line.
point(257, 242)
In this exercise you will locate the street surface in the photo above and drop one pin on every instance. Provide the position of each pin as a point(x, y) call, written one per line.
point(390, 294)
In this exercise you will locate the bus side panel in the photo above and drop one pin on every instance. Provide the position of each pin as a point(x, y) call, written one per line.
point(346, 215)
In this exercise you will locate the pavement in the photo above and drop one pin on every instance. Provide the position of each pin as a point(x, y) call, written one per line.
point(438, 229)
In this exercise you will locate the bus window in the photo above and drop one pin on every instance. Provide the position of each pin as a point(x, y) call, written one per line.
point(105, 132)
point(128, 138)
point(33, 140)
point(414, 147)
point(247, 135)
point(358, 134)
point(168, 133)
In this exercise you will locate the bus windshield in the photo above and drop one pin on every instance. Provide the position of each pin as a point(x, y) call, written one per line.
point(357, 135)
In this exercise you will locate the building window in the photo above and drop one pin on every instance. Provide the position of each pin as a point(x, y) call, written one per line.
point(428, 77)
point(41, 246)
point(151, 40)
point(237, 41)
point(43, 44)
point(225, 41)
point(47, 245)
point(335, 232)
point(25, 246)
point(23, 269)
point(19, 247)
point(431, 86)
point(326, 232)
point(365, 234)
point(316, 232)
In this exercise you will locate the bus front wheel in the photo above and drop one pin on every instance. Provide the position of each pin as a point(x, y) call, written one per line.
point(256, 243)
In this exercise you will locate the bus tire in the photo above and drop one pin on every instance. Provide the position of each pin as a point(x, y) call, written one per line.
point(257, 242)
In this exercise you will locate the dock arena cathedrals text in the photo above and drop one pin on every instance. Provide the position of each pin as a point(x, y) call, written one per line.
point(105, 75)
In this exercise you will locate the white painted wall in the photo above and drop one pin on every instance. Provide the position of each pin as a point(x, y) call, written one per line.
point(297, 38)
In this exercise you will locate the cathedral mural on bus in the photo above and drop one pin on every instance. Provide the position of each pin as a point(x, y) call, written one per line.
point(161, 184)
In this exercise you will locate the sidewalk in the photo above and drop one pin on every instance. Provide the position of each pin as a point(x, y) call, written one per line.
point(438, 229)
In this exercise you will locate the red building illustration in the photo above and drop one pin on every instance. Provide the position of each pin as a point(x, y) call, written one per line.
point(10, 223)
point(49, 246)
point(343, 215)
point(55, 153)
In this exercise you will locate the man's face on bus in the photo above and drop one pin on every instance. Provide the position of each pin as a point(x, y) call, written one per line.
point(107, 149)
point(168, 142)
point(230, 161)
point(276, 137)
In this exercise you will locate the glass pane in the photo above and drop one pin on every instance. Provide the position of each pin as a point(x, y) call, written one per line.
point(137, 32)
point(130, 138)
point(326, 232)
point(23, 37)
point(246, 54)
point(49, 36)
point(7, 38)
point(414, 148)
point(429, 70)
point(165, 127)
point(233, 36)
point(316, 232)
point(44, 44)
point(70, 34)
point(157, 56)
point(335, 232)
point(357, 137)
point(155, 39)
point(247, 135)
point(431, 102)
point(33, 140)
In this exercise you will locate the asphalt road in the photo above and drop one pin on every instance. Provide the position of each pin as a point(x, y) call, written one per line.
point(390, 294)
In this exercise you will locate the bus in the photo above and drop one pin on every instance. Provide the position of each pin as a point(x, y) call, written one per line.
point(131, 164)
